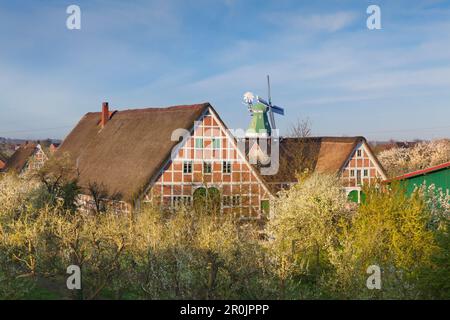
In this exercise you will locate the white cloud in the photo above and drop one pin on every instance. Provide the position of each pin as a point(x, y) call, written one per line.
point(326, 22)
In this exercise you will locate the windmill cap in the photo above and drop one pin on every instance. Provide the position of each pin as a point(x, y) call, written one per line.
point(259, 107)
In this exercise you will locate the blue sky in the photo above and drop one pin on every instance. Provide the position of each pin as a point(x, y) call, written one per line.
point(324, 63)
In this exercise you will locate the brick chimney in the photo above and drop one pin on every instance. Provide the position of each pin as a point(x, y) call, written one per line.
point(105, 114)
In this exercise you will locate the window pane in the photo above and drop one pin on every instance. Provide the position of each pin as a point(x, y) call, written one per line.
point(206, 167)
point(199, 143)
point(216, 143)
point(226, 167)
point(187, 167)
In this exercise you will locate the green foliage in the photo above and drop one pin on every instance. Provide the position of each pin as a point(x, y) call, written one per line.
point(12, 288)
point(435, 278)
point(305, 232)
point(322, 246)
point(316, 245)
point(388, 230)
point(156, 256)
point(207, 200)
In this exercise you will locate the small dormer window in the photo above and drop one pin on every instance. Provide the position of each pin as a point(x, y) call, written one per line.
point(359, 153)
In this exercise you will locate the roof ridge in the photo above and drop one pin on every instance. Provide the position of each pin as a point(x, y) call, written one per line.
point(160, 109)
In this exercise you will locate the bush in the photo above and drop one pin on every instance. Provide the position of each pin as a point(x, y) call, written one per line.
point(390, 230)
point(317, 246)
point(305, 231)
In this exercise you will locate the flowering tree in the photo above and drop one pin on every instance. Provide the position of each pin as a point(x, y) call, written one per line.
point(401, 160)
point(315, 245)
point(305, 230)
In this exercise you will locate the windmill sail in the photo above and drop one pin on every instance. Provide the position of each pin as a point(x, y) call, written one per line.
point(272, 119)
point(263, 101)
point(277, 110)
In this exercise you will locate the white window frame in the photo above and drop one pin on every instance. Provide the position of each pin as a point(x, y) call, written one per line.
point(209, 163)
point(226, 167)
point(189, 164)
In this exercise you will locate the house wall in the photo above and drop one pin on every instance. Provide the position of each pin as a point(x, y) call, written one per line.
point(87, 204)
point(241, 190)
point(36, 161)
point(361, 169)
point(440, 179)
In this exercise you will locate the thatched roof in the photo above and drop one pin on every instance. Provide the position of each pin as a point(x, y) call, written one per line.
point(3, 158)
point(125, 155)
point(20, 157)
point(327, 155)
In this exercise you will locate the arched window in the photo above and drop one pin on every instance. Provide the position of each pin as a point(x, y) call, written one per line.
point(207, 200)
point(357, 196)
point(354, 196)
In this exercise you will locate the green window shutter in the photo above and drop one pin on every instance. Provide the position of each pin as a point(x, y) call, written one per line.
point(199, 143)
point(216, 143)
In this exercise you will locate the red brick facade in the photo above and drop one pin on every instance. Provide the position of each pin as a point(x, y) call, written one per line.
point(210, 158)
point(361, 169)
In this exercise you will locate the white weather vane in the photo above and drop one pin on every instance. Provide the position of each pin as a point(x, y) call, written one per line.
point(249, 98)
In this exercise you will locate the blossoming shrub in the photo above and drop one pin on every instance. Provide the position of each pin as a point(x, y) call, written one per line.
point(398, 161)
point(314, 245)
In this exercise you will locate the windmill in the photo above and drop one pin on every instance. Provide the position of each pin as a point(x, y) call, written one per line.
point(262, 111)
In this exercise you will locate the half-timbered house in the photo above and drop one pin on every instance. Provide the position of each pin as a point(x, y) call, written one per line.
point(175, 155)
point(27, 157)
point(351, 158)
point(165, 156)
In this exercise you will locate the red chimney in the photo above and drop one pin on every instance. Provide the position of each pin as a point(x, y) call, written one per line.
point(105, 114)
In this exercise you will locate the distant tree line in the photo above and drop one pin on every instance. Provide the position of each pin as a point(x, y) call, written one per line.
point(401, 160)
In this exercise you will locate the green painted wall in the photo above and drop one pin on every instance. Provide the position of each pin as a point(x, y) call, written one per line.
point(260, 122)
point(441, 179)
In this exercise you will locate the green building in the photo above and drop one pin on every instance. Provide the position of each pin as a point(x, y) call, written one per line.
point(437, 175)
